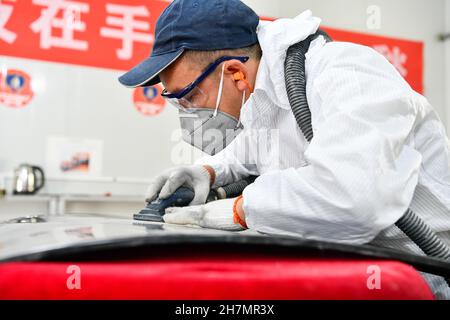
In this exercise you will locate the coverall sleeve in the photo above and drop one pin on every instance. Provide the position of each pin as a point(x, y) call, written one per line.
point(361, 175)
point(233, 163)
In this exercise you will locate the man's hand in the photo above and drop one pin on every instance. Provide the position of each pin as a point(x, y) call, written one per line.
point(197, 177)
point(215, 215)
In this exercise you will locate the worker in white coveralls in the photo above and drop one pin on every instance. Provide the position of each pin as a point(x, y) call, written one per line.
point(379, 148)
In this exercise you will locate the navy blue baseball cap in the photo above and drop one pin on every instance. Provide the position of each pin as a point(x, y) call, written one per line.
point(194, 25)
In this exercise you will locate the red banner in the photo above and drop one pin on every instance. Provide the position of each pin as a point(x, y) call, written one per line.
point(118, 34)
point(115, 34)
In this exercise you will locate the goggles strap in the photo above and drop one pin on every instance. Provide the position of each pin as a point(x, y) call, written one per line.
point(219, 94)
point(242, 105)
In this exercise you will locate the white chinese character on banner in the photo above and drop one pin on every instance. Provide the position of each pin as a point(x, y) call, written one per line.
point(126, 27)
point(395, 56)
point(5, 13)
point(69, 23)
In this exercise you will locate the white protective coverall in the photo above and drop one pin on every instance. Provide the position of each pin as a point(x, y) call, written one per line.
point(378, 147)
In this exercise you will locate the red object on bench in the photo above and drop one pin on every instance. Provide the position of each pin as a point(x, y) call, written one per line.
point(214, 277)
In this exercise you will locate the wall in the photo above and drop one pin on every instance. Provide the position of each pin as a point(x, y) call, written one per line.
point(86, 103)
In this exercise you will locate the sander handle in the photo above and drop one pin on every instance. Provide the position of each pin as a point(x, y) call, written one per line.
point(154, 210)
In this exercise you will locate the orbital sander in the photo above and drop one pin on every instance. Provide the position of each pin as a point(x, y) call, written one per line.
point(155, 210)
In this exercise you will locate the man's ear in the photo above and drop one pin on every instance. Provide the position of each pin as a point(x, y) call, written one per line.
point(239, 72)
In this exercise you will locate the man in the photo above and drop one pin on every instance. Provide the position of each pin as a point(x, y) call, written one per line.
point(378, 146)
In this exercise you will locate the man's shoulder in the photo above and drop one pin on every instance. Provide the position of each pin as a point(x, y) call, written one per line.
point(345, 56)
point(338, 52)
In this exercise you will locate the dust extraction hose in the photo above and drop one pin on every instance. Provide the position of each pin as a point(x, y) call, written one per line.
point(295, 77)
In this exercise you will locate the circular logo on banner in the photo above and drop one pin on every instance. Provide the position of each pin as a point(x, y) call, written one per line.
point(148, 100)
point(15, 89)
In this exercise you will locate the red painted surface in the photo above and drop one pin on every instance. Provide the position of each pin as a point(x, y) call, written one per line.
point(212, 277)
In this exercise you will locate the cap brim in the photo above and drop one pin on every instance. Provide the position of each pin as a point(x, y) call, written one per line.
point(147, 72)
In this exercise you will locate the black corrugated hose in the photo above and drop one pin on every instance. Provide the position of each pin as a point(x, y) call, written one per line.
point(295, 77)
point(234, 189)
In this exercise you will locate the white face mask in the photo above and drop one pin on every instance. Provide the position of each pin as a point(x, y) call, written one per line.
point(210, 130)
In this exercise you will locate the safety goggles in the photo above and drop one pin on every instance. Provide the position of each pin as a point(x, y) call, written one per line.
point(192, 96)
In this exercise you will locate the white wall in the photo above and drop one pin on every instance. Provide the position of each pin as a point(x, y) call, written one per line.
point(90, 103)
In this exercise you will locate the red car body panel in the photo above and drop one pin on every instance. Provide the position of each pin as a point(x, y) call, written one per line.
point(208, 276)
